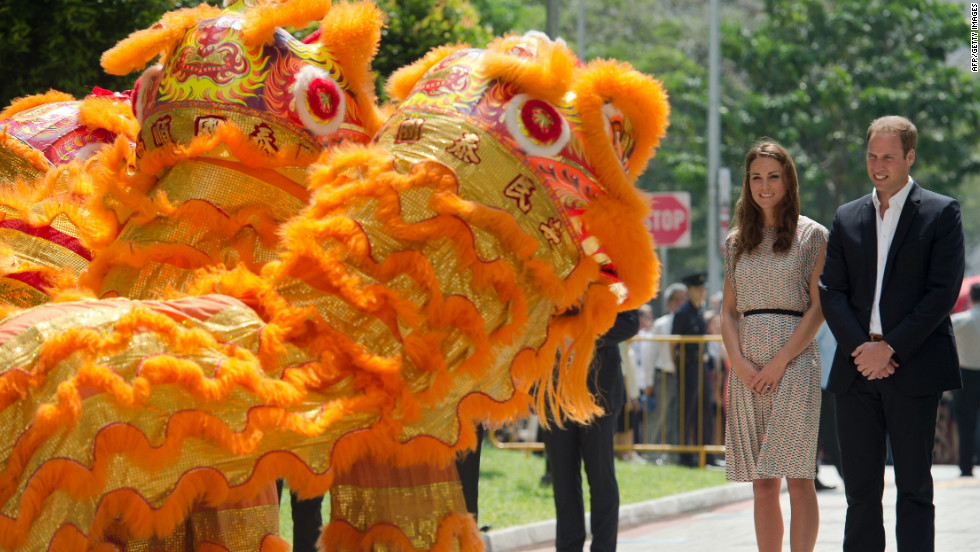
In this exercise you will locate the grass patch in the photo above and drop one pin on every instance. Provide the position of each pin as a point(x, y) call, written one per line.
point(511, 492)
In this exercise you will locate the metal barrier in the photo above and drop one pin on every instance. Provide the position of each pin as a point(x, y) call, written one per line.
point(701, 449)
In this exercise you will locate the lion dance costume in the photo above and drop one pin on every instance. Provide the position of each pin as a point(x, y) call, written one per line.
point(284, 281)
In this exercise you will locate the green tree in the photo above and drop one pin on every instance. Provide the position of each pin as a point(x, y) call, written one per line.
point(499, 17)
point(57, 43)
point(969, 198)
point(812, 74)
point(413, 27)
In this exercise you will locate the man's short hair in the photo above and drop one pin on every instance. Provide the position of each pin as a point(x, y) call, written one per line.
point(897, 126)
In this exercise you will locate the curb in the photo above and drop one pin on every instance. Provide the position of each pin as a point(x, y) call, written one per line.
point(543, 532)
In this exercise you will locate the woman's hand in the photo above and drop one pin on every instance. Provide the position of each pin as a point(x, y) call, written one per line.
point(770, 376)
point(746, 371)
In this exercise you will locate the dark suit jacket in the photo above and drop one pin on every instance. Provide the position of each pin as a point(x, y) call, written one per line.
point(689, 320)
point(922, 278)
point(606, 380)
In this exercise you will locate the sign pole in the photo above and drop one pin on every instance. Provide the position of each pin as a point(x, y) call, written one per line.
point(551, 19)
point(664, 277)
point(724, 210)
point(714, 149)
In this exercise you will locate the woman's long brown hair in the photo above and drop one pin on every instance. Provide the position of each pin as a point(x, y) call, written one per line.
point(749, 219)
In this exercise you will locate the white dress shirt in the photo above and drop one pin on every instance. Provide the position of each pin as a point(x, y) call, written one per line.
point(826, 346)
point(661, 354)
point(885, 226)
point(966, 326)
point(641, 351)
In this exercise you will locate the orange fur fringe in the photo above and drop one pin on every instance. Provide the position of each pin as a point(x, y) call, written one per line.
point(261, 21)
point(108, 113)
point(36, 159)
point(455, 532)
point(401, 82)
point(141, 47)
point(352, 33)
point(132, 190)
point(546, 77)
point(28, 102)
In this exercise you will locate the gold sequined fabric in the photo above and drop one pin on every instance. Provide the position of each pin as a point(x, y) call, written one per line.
point(415, 499)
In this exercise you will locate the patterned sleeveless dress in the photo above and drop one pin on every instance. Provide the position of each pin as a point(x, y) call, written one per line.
point(774, 434)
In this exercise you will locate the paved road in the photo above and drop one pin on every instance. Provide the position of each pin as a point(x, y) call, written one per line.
point(721, 520)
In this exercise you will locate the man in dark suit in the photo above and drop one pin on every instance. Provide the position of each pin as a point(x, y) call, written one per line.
point(895, 262)
point(572, 445)
point(689, 320)
point(307, 518)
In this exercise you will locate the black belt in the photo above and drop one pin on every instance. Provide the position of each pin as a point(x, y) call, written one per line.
point(772, 311)
point(876, 337)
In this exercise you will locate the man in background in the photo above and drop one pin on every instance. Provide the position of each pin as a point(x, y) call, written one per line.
point(966, 401)
point(827, 434)
point(572, 445)
point(634, 414)
point(689, 320)
point(662, 379)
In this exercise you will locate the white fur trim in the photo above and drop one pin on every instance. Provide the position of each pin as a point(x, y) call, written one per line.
point(148, 83)
point(303, 79)
point(610, 112)
point(88, 150)
point(540, 36)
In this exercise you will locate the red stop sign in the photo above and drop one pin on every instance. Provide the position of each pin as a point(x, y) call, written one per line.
point(670, 219)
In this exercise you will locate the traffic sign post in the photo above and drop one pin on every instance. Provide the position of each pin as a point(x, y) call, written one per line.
point(670, 219)
point(724, 211)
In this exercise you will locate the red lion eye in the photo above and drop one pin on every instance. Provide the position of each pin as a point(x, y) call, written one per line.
point(541, 120)
point(323, 98)
point(320, 102)
point(537, 126)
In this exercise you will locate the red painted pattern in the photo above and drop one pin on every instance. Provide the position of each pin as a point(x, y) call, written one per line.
point(49, 234)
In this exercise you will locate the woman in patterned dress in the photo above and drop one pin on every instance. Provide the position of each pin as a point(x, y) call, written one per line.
point(770, 315)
